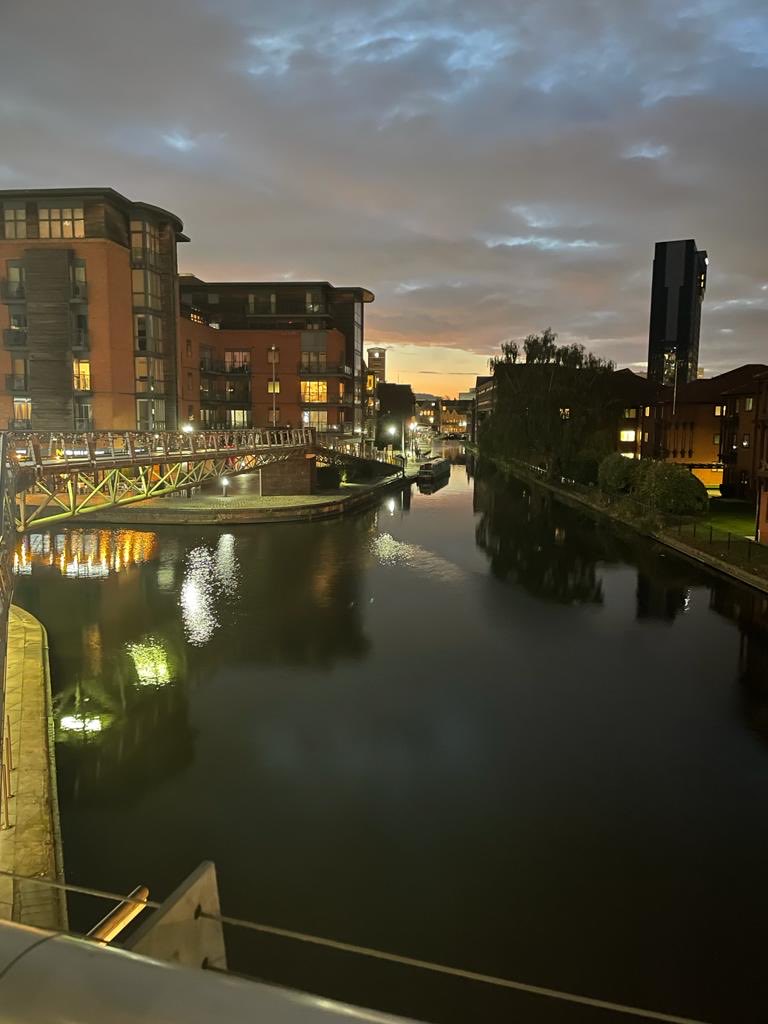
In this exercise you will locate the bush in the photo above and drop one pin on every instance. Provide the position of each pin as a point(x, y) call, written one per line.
point(670, 489)
point(328, 478)
point(616, 474)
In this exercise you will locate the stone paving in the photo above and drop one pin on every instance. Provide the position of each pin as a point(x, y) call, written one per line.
point(32, 845)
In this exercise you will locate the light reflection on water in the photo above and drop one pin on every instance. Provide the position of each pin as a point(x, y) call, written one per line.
point(209, 574)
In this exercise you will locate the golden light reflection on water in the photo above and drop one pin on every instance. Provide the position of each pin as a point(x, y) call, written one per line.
point(93, 554)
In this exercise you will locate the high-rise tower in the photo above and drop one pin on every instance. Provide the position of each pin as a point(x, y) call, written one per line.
point(677, 291)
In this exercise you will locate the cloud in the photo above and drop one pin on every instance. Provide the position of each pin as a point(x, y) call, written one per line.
point(486, 169)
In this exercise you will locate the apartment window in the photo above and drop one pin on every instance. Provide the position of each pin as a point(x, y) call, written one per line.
point(261, 303)
point(22, 412)
point(77, 280)
point(150, 414)
point(745, 441)
point(630, 414)
point(749, 404)
point(237, 361)
point(190, 412)
point(238, 417)
point(273, 417)
point(273, 355)
point(146, 288)
point(317, 418)
point(647, 411)
point(719, 410)
point(83, 414)
point(314, 302)
point(315, 362)
point(565, 413)
point(189, 348)
point(190, 384)
point(17, 319)
point(716, 440)
point(15, 220)
point(16, 281)
point(61, 221)
point(148, 332)
point(80, 327)
point(145, 242)
point(81, 374)
point(645, 437)
point(314, 391)
point(627, 435)
point(150, 374)
point(273, 387)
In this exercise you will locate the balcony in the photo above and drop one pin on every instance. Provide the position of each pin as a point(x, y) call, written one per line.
point(16, 424)
point(12, 291)
point(16, 382)
point(78, 292)
point(285, 307)
point(81, 340)
point(83, 423)
point(209, 366)
point(82, 382)
point(15, 337)
point(331, 370)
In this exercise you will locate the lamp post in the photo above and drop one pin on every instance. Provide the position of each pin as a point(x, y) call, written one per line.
point(224, 486)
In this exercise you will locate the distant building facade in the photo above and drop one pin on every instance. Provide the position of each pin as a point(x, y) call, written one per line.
point(377, 362)
point(677, 292)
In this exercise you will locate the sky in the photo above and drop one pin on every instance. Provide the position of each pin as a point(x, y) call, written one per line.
point(487, 169)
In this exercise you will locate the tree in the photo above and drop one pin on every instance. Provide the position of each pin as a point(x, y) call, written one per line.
point(616, 474)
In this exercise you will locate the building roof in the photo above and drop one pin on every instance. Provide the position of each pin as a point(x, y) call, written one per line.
point(86, 193)
point(740, 380)
point(191, 280)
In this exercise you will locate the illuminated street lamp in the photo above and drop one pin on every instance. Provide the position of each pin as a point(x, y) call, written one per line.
point(187, 428)
point(224, 486)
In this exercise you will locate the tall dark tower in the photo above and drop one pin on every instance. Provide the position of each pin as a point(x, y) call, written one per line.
point(677, 291)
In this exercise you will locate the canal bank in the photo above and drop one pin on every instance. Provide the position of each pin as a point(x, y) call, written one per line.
point(248, 509)
point(31, 844)
point(580, 500)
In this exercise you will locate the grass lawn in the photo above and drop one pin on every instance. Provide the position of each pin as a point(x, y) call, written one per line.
point(733, 515)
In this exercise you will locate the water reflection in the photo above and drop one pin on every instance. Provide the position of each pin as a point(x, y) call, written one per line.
point(84, 553)
point(523, 532)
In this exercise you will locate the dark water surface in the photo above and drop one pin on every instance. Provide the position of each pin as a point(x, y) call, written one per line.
point(474, 727)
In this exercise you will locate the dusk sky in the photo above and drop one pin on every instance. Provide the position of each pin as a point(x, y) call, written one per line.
point(487, 169)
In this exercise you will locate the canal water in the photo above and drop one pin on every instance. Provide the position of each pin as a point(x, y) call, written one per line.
point(475, 727)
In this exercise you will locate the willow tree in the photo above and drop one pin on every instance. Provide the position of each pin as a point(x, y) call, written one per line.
point(554, 409)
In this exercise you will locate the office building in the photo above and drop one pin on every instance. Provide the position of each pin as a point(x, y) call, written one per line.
point(677, 292)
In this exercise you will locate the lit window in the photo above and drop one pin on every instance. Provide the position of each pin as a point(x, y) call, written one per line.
point(628, 455)
point(745, 441)
point(61, 222)
point(716, 439)
point(748, 404)
point(314, 391)
point(565, 414)
point(15, 221)
point(237, 361)
point(22, 412)
point(81, 374)
point(273, 387)
point(627, 435)
point(645, 437)
point(719, 410)
point(630, 414)
point(647, 410)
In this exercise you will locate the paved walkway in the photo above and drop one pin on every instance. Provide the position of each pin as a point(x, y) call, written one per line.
point(31, 846)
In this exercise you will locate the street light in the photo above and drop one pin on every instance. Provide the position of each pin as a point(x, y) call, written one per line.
point(224, 486)
point(187, 428)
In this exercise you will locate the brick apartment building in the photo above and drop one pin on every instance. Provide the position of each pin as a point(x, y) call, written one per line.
point(100, 331)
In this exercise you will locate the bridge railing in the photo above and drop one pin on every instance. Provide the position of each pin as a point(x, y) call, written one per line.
point(70, 449)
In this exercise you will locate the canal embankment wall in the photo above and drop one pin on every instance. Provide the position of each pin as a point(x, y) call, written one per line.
point(30, 845)
point(583, 501)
